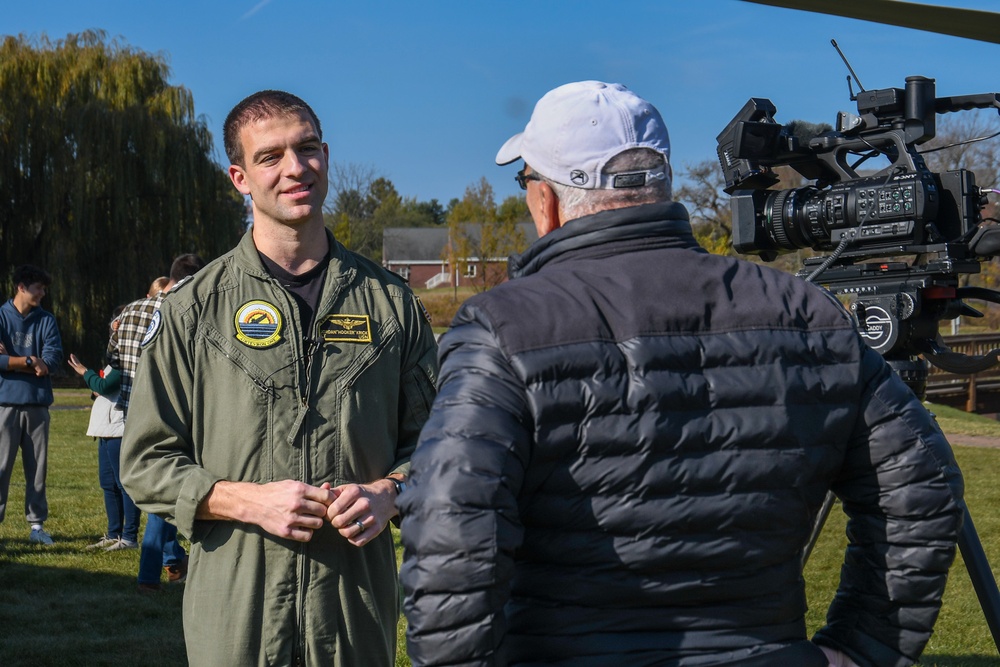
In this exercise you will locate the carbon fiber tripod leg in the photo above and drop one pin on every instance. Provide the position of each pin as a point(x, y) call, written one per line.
point(981, 574)
point(971, 548)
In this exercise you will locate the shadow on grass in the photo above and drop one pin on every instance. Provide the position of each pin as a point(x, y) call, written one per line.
point(959, 661)
point(68, 616)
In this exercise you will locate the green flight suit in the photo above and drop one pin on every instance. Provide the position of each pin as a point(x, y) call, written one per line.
point(228, 388)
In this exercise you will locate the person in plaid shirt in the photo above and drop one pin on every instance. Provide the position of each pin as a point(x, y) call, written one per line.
point(125, 346)
point(159, 541)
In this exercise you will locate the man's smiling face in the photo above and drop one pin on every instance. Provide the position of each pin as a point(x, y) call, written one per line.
point(286, 169)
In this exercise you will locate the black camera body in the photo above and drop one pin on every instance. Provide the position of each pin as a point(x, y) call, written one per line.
point(867, 221)
point(898, 210)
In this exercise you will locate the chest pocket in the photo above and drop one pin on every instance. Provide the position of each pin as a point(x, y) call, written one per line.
point(234, 410)
point(345, 362)
point(357, 406)
point(248, 371)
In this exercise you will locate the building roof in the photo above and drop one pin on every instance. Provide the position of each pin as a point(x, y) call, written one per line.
point(414, 244)
point(427, 244)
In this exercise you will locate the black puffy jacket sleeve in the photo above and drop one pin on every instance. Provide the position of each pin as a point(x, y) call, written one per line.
point(902, 491)
point(460, 524)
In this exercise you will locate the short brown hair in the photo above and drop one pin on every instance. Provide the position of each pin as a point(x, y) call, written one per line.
point(184, 266)
point(260, 105)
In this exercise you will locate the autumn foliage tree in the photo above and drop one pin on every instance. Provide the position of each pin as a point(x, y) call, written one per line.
point(482, 235)
point(708, 206)
point(105, 176)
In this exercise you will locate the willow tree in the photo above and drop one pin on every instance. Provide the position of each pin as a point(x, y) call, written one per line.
point(105, 175)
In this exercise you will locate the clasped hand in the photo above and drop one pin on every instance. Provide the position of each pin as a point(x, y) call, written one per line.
point(294, 510)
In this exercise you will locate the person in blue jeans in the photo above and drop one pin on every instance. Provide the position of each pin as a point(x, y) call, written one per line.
point(107, 424)
point(138, 320)
point(160, 547)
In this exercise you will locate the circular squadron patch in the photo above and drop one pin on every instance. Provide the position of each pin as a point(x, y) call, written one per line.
point(152, 329)
point(258, 324)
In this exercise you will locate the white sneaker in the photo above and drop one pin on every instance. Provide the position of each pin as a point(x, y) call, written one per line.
point(122, 543)
point(103, 543)
point(39, 536)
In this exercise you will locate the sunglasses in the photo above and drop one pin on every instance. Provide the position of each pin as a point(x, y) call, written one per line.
point(523, 178)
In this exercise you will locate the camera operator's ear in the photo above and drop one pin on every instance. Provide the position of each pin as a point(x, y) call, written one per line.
point(986, 241)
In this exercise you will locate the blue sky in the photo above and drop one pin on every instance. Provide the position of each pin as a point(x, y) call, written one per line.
point(426, 92)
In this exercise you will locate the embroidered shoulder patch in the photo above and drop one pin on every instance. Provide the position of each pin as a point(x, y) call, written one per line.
point(346, 329)
point(152, 329)
point(423, 309)
point(258, 324)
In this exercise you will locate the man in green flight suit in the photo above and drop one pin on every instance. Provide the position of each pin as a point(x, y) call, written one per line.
point(278, 399)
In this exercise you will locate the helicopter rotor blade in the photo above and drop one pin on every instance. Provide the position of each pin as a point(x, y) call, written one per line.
point(969, 23)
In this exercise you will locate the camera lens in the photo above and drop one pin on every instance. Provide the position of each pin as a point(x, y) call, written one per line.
point(795, 218)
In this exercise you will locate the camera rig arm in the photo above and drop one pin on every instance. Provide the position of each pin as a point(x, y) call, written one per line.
point(965, 364)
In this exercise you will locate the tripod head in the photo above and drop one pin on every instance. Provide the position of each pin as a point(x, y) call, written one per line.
point(898, 307)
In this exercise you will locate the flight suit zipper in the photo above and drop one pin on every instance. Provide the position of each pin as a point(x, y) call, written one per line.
point(309, 348)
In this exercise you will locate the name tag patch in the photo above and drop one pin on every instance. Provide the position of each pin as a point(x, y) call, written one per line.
point(258, 324)
point(346, 329)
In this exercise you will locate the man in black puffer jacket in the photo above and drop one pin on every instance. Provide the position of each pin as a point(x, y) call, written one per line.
point(633, 437)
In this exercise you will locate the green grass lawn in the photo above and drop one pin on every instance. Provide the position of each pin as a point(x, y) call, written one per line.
point(66, 606)
point(952, 420)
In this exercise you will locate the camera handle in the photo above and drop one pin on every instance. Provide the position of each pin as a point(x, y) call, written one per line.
point(833, 151)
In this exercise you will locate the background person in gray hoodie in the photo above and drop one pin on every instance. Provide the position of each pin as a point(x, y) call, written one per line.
point(30, 345)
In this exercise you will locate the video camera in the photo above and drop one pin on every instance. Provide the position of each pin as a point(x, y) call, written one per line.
point(896, 211)
point(901, 209)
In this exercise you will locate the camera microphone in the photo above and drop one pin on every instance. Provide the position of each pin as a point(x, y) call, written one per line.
point(802, 132)
point(313, 344)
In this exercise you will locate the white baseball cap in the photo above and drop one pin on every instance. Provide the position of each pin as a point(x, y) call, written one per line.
point(576, 128)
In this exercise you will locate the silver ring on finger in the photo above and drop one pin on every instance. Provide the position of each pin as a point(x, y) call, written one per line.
point(361, 525)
